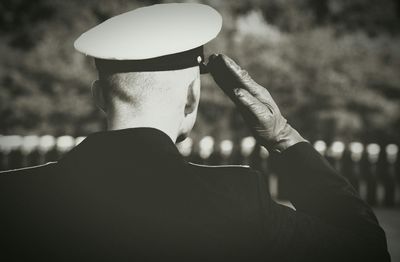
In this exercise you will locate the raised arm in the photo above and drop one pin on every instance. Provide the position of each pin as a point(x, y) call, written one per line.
point(331, 222)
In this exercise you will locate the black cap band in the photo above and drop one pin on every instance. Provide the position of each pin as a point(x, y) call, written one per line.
point(182, 60)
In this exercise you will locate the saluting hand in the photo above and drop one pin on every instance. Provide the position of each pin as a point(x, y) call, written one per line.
point(255, 103)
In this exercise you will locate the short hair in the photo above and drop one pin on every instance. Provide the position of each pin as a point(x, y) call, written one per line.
point(136, 88)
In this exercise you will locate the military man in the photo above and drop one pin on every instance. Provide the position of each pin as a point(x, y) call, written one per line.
point(126, 194)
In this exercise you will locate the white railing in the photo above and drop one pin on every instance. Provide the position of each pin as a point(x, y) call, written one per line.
point(372, 169)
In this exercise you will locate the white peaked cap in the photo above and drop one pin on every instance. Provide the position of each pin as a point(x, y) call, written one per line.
point(46, 143)
point(65, 143)
point(226, 147)
point(79, 140)
point(373, 149)
point(337, 147)
point(247, 145)
point(10, 143)
point(356, 147)
point(30, 143)
point(185, 147)
point(206, 147)
point(151, 32)
point(320, 146)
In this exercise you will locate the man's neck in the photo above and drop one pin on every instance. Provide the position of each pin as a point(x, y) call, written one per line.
point(124, 122)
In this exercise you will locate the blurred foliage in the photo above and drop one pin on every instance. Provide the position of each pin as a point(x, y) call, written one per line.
point(333, 66)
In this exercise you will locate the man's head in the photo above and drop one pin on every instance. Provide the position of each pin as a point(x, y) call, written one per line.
point(167, 100)
point(148, 61)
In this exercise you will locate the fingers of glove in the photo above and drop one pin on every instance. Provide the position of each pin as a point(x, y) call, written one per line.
point(246, 81)
point(229, 75)
point(252, 104)
point(260, 92)
point(222, 75)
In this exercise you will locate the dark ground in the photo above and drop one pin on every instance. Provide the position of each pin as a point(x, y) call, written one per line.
point(390, 221)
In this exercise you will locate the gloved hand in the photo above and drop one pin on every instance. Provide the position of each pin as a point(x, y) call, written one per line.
point(255, 103)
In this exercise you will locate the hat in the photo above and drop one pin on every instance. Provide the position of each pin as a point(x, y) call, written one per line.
point(154, 38)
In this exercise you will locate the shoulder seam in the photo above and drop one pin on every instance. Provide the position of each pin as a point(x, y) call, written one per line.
point(27, 168)
point(217, 166)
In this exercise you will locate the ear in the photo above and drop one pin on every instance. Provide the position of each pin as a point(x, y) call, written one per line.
point(98, 95)
point(190, 111)
point(192, 99)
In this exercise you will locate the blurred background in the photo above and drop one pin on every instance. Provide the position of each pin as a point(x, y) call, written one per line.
point(333, 67)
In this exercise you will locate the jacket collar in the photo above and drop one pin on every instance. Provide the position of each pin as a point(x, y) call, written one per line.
point(132, 144)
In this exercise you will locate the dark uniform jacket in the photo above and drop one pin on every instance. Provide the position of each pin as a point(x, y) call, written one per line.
point(128, 195)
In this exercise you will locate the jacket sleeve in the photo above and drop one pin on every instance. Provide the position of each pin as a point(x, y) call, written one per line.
point(331, 223)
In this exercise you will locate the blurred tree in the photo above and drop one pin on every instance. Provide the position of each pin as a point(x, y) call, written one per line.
point(332, 66)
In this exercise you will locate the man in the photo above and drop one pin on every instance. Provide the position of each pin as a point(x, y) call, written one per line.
point(127, 193)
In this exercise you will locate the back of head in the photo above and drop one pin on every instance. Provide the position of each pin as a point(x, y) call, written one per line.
point(167, 98)
point(149, 61)
point(147, 90)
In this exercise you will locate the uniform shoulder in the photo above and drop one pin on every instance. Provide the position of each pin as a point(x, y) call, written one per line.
point(219, 167)
point(29, 170)
point(223, 170)
point(235, 182)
